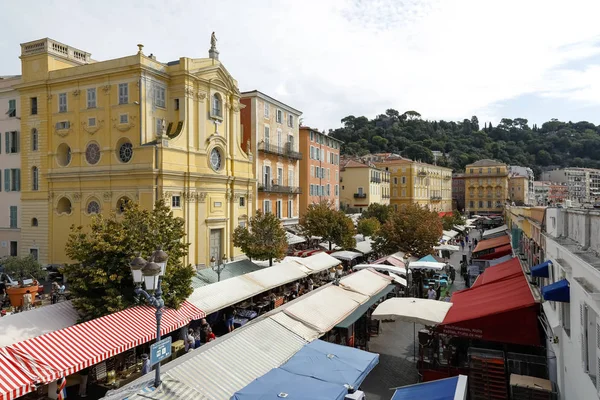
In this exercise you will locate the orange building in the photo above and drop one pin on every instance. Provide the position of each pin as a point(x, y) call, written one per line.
point(319, 168)
point(270, 132)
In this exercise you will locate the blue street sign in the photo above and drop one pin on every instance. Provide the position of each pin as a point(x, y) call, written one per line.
point(161, 350)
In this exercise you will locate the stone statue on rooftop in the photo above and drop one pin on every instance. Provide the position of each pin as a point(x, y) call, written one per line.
point(213, 41)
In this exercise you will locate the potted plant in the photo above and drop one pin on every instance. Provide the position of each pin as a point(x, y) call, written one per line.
point(22, 269)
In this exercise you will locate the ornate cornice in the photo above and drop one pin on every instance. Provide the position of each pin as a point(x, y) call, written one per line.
point(76, 92)
point(107, 196)
point(201, 96)
point(63, 132)
point(76, 197)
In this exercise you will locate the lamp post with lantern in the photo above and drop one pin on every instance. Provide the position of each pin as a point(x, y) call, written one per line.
point(150, 273)
point(218, 266)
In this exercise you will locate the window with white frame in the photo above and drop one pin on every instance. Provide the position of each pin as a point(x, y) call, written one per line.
point(124, 118)
point(403, 180)
point(91, 121)
point(160, 96)
point(12, 141)
point(328, 190)
point(290, 208)
point(337, 175)
point(290, 120)
point(279, 117)
point(242, 201)
point(217, 105)
point(322, 190)
point(266, 110)
point(159, 126)
point(291, 180)
point(565, 309)
point(278, 211)
point(12, 108)
point(589, 345)
point(62, 102)
point(176, 201)
point(123, 93)
point(91, 98)
point(395, 180)
point(312, 171)
point(337, 190)
point(267, 136)
point(267, 206)
point(312, 153)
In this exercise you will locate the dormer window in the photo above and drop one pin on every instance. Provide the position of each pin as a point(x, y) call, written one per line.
point(217, 105)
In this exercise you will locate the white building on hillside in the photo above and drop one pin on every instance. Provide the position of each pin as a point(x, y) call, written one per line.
point(516, 170)
point(10, 167)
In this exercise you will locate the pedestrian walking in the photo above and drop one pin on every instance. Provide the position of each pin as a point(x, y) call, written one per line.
point(146, 367)
point(452, 274)
point(190, 342)
point(229, 317)
point(431, 293)
point(83, 378)
point(26, 301)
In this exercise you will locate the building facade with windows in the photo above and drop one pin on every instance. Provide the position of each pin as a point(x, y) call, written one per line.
point(458, 191)
point(413, 182)
point(363, 184)
point(527, 173)
point(131, 129)
point(270, 129)
point(518, 190)
point(319, 168)
point(583, 184)
point(486, 185)
point(10, 167)
point(550, 193)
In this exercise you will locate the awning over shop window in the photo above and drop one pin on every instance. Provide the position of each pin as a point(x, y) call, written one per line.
point(279, 383)
point(541, 270)
point(409, 309)
point(360, 311)
point(332, 363)
point(506, 270)
point(454, 388)
point(558, 291)
point(492, 243)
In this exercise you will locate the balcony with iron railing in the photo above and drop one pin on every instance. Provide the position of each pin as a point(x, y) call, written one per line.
point(375, 180)
point(436, 198)
point(275, 187)
point(360, 195)
point(287, 150)
point(385, 196)
point(422, 173)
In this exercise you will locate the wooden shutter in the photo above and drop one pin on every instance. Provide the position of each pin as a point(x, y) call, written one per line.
point(18, 180)
point(7, 180)
point(7, 141)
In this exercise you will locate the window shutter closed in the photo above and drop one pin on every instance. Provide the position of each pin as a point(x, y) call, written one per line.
point(0, 142)
point(18, 141)
point(7, 180)
point(7, 141)
point(18, 180)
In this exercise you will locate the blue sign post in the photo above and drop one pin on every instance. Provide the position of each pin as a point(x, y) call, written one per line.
point(161, 350)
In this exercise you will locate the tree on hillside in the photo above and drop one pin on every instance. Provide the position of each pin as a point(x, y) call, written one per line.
point(321, 219)
point(368, 226)
point(380, 211)
point(263, 239)
point(100, 279)
point(414, 229)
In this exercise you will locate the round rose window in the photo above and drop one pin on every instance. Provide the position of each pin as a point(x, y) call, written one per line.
point(92, 153)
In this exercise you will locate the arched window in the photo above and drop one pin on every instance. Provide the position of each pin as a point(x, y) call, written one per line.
point(217, 105)
point(64, 206)
point(34, 222)
point(35, 185)
point(34, 140)
point(93, 207)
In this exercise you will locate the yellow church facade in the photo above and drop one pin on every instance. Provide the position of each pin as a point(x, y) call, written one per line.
point(96, 135)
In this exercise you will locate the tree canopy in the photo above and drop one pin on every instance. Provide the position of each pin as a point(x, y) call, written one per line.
point(368, 226)
point(321, 219)
point(100, 280)
point(21, 268)
point(264, 239)
point(513, 141)
point(379, 211)
point(414, 230)
point(448, 221)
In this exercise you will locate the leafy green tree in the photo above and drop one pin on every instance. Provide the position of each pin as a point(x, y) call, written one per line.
point(368, 226)
point(321, 219)
point(415, 230)
point(381, 212)
point(264, 239)
point(100, 280)
point(543, 158)
point(20, 268)
point(449, 221)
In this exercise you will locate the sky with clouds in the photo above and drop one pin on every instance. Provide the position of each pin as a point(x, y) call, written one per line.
point(447, 59)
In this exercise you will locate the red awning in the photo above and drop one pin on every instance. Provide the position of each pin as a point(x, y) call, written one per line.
point(500, 311)
point(498, 272)
point(14, 381)
point(60, 353)
point(444, 213)
point(497, 253)
point(492, 243)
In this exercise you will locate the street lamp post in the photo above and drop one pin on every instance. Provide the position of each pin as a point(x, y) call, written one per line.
point(219, 266)
point(150, 273)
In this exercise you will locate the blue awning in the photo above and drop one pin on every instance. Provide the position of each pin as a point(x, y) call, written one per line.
point(541, 270)
point(277, 384)
point(429, 258)
point(332, 363)
point(443, 389)
point(558, 291)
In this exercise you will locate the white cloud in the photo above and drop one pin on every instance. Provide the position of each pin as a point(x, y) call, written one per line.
point(331, 58)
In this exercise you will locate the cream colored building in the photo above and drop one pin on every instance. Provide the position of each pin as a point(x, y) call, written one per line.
point(131, 129)
point(413, 182)
point(363, 184)
point(518, 190)
point(10, 168)
point(486, 187)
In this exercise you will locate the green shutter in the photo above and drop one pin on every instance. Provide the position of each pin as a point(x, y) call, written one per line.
point(7, 141)
point(18, 140)
point(18, 180)
point(0, 142)
point(7, 180)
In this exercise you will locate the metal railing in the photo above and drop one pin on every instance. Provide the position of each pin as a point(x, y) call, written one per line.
point(360, 195)
point(287, 150)
point(436, 197)
point(276, 188)
point(375, 180)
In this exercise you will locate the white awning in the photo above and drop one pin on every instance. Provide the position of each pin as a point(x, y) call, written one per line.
point(366, 281)
point(447, 247)
point(295, 326)
point(325, 246)
point(436, 266)
point(459, 228)
point(410, 309)
point(364, 246)
point(451, 234)
point(282, 273)
point(18, 327)
point(495, 231)
point(319, 262)
point(382, 267)
point(294, 239)
point(339, 304)
point(216, 296)
point(346, 255)
point(398, 279)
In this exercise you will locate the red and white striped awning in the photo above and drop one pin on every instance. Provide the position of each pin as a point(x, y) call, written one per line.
point(60, 353)
point(14, 381)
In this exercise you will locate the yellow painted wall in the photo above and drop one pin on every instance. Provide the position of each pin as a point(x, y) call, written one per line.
point(486, 183)
point(167, 167)
point(353, 178)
